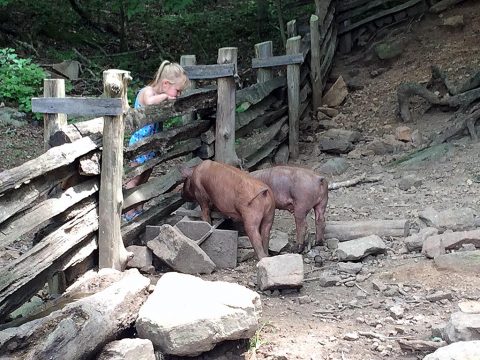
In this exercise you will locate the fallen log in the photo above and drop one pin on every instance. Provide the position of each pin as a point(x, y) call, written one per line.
point(23, 277)
point(53, 159)
point(457, 124)
point(349, 230)
point(266, 150)
point(76, 131)
point(257, 92)
point(155, 186)
point(244, 118)
point(161, 207)
point(352, 182)
point(420, 345)
point(80, 329)
point(266, 119)
point(12, 229)
point(163, 140)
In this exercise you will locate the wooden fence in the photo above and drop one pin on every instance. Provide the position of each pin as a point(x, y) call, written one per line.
point(73, 210)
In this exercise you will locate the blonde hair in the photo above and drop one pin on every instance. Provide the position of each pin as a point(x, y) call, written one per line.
point(172, 72)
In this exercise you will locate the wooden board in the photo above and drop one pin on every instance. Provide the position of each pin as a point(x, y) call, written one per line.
point(277, 61)
point(215, 71)
point(78, 106)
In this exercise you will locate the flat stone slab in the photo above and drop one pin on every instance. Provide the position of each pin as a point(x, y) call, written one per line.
point(128, 349)
point(437, 244)
point(465, 261)
point(463, 350)
point(179, 252)
point(221, 247)
point(462, 327)
point(186, 315)
point(360, 248)
point(281, 271)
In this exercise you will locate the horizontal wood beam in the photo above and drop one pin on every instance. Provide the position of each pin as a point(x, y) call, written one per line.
point(215, 71)
point(277, 61)
point(78, 106)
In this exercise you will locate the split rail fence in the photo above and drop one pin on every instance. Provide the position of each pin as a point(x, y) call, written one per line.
point(72, 211)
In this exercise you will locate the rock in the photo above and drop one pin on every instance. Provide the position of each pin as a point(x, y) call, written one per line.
point(128, 349)
point(245, 254)
point(334, 146)
point(350, 267)
point(278, 241)
point(378, 285)
point(68, 68)
point(415, 242)
point(343, 134)
point(403, 133)
point(454, 22)
point(332, 243)
point(385, 146)
point(222, 248)
point(437, 244)
point(244, 242)
point(463, 350)
point(327, 279)
point(142, 257)
point(186, 315)
point(336, 94)
point(408, 181)
point(335, 166)
point(388, 50)
point(281, 271)
point(11, 116)
point(360, 248)
point(439, 295)
point(396, 311)
point(179, 252)
point(451, 219)
point(331, 112)
point(193, 229)
point(353, 336)
point(469, 307)
point(462, 327)
point(460, 262)
point(281, 156)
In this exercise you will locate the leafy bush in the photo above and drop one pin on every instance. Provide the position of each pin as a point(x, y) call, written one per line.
point(20, 79)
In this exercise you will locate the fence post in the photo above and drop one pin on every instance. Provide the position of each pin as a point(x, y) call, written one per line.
point(264, 50)
point(112, 252)
point(293, 84)
point(188, 60)
point(225, 120)
point(315, 72)
point(53, 122)
point(291, 29)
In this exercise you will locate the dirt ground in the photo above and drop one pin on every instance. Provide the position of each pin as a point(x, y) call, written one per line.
point(314, 322)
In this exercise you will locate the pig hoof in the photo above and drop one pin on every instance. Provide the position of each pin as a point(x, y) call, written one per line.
point(297, 248)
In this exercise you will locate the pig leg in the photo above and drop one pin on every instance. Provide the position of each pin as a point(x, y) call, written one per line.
point(301, 225)
point(320, 209)
point(205, 206)
point(252, 227)
point(265, 228)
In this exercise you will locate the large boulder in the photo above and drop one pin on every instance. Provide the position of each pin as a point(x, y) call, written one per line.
point(186, 315)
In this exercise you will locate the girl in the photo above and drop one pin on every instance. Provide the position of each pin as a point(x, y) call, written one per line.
point(169, 82)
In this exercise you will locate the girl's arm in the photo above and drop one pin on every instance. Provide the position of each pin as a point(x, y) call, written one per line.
point(150, 97)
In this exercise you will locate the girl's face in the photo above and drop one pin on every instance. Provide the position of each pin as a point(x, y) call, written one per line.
point(172, 89)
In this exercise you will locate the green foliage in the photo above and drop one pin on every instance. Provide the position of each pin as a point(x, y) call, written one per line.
point(20, 79)
point(172, 122)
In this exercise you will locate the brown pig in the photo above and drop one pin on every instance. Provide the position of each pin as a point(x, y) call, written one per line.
point(298, 190)
point(235, 194)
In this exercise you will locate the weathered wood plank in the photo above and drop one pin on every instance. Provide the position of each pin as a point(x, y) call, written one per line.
point(265, 119)
point(265, 151)
point(162, 207)
point(53, 159)
point(73, 132)
point(155, 186)
point(315, 73)
point(244, 118)
point(348, 230)
point(179, 149)
point(78, 106)
point(378, 15)
point(163, 140)
point(189, 60)
point(257, 92)
point(360, 10)
point(248, 146)
point(345, 5)
point(280, 60)
point(225, 117)
point(195, 100)
point(24, 276)
point(330, 53)
point(13, 202)
point(214, 71)
point(20, 225)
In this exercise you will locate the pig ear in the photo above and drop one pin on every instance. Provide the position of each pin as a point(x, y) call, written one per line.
point(186, 171)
